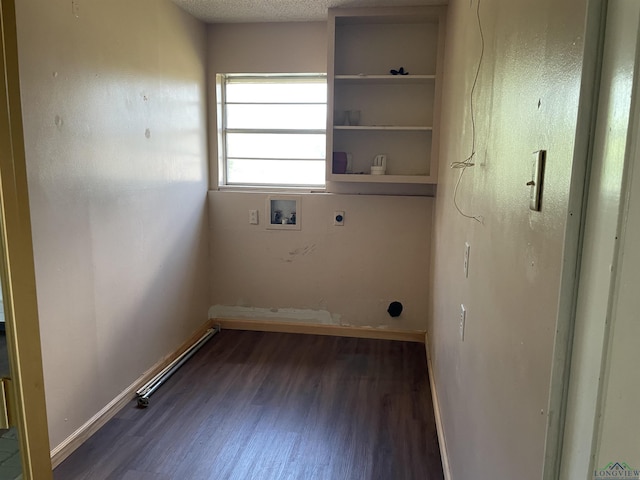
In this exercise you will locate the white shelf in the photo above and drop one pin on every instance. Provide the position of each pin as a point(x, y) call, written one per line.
point(365, 178)
point(385, 79)
point(394, 128)
point(399, 113)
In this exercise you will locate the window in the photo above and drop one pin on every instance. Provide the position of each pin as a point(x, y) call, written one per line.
point(272, 129)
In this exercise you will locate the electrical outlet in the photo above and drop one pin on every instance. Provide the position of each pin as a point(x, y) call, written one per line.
point(467, 248)
point(338, 218)
point(463, 321)
point(253, 217)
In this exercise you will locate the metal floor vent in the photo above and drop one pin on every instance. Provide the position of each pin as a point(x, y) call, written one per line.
point(152, 385)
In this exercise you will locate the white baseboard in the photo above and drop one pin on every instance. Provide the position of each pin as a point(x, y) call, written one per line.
point(82, 434)
point(268, 325)
point(91, 426)
point(436, 410)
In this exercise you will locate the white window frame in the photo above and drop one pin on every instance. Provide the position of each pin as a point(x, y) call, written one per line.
point(222, 130)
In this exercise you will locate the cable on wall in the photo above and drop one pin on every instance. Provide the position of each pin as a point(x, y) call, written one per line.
point(468, 162)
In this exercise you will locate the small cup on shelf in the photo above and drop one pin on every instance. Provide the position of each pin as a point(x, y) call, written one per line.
point(379, 166)
point(354, 117)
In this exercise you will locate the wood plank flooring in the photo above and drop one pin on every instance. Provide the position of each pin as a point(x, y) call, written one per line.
point(272, 406)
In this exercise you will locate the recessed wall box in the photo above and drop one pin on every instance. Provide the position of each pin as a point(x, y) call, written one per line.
point(537, 177)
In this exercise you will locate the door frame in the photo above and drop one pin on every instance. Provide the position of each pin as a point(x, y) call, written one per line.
point(17, 267)
point(574, 236)
point(575, 386)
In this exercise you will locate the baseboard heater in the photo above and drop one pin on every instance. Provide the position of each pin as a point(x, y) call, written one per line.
point(152, 385)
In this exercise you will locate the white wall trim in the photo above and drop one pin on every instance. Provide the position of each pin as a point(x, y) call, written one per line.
point(91, 426)
point(573, 241)
point(444, 455)
point(575, 448)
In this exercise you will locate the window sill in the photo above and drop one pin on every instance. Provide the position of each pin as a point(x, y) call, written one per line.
point(265, 189)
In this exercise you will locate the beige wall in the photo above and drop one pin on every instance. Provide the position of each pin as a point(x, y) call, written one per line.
point(344, 275)
point(323, 273)
point(114, 117)
point(493, 387)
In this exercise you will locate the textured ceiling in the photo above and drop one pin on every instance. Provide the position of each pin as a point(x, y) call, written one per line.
point(232, 11)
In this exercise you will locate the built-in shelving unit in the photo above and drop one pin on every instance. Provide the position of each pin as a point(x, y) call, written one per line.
point(385, 79)
point(407, 128)
point(398, 114)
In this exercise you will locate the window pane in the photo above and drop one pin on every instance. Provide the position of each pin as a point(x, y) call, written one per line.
point(275, 172)
point(277, 116)
point(306, 92)
point(258, 112)
point(276, 145)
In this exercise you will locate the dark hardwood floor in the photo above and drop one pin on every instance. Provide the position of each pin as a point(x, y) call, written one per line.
point(270, 406)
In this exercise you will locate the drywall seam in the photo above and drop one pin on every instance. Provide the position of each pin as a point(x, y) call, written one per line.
point(323, 317)
point(444, 455)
